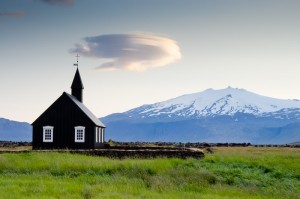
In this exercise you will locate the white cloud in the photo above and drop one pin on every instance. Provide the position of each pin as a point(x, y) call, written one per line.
point(135, 51)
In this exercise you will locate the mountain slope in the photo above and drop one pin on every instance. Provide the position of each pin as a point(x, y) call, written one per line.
point(14, 131)
point(215, 102)
point(226, 115)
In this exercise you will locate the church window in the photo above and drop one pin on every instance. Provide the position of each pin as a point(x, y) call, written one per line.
point(48, 134)
point(99, 135)
point(79, 133)
point(96, 131)
point(102, 134)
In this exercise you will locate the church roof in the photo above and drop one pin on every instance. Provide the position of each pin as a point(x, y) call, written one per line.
point(85, 110)
point(77, 83)
point(58, 108)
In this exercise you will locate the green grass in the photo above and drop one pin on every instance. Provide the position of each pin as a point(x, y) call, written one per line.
point(228, 173)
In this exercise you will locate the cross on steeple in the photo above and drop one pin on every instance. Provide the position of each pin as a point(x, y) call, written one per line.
point(77, 60)
point(77, 86)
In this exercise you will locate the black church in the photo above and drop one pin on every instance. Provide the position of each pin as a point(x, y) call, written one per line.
point(68, 123)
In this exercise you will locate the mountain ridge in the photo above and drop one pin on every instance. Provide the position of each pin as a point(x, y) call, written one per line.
point(11, 130)
point(224, 115)
point(212, 102)
point(206, 112)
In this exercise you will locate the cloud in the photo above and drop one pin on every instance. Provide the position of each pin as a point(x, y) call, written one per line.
point(12, 14)
point(134, 52)
point(59, 2)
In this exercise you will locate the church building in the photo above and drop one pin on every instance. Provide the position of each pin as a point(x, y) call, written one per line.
point(68, 123)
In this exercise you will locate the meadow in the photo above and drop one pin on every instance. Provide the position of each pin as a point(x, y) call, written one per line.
point(230, 172)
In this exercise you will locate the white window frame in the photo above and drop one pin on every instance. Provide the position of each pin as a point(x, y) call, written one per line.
point(79, 129)
point(96, 131)
point(48, 129)
point(99, 135)
point(102, 135)
point(99, 131)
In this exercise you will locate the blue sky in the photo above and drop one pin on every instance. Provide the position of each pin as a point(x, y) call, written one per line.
point(162, 49)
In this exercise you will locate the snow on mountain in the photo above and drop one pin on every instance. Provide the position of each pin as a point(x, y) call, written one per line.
point(225, 115)
point(210, 102)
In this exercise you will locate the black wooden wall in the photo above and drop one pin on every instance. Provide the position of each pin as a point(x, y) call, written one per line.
point(64, 115)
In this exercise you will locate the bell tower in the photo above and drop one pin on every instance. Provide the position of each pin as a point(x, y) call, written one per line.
point(77, 86)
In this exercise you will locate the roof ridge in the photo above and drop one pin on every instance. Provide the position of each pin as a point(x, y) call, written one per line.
point(85, 110)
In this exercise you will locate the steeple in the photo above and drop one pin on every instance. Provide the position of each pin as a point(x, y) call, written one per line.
point(77, 86)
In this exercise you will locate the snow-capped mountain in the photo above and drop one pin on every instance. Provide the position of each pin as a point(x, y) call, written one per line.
point(211, 102)
point(226, 115)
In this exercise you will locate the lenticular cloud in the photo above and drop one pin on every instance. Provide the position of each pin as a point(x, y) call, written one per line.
point(135, 52)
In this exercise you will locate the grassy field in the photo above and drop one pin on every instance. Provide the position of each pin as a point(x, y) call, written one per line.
point(228, 173)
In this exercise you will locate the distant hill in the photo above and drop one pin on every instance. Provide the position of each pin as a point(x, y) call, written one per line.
point(295, 143)
point(15, 131)
point(226, 115)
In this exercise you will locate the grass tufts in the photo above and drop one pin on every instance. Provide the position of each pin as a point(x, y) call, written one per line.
point(228, 173)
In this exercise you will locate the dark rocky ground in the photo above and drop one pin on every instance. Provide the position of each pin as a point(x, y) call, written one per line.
point(140, 149)
point(201, 145)
point(9, 144)
point(116, 150)
point(161, 145)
